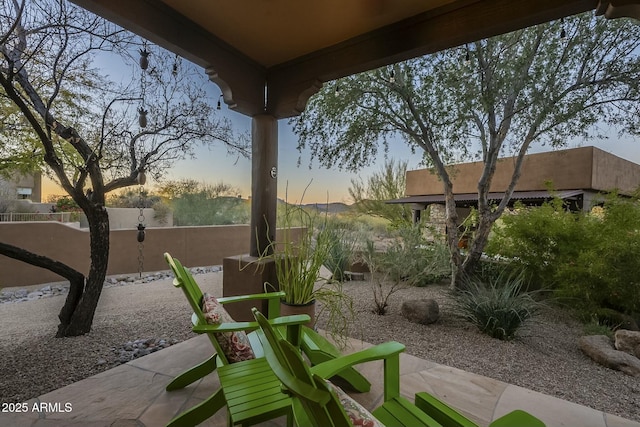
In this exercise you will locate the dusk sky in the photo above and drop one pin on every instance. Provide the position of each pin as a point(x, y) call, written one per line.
point(213, 165)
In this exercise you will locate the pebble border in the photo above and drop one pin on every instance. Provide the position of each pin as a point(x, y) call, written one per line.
point(51, 290)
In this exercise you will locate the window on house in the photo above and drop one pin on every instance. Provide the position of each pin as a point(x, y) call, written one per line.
point(24, 193)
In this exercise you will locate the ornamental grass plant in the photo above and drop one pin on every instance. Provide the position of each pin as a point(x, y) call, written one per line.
point(298, 264)
point(498, 306)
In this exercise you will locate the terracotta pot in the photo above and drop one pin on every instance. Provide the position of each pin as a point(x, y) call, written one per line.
point(287, 309)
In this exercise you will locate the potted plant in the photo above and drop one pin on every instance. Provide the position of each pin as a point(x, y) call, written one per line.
point(298, 263)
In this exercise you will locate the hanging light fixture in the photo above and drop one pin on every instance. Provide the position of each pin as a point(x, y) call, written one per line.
point(392, 76)
point(144, 57)
point(219, 103)
point(563, 32)
point(337, 90)
point(142, 117)
point(174, 71)
point(141, 178)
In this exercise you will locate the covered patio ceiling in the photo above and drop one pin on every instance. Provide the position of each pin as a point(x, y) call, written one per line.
point(269, 56)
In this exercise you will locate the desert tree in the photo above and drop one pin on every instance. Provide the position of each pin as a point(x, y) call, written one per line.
point(544, 85)
point(96, 133)
point(370, 195)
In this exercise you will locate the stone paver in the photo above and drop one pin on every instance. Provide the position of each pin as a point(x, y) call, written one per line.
point(133, 394)
point(552, 411)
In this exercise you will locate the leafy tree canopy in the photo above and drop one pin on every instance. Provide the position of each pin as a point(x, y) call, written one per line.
point(482, 101)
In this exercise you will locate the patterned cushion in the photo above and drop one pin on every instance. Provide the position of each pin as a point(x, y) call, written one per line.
point(358, 415)
point(235, 345)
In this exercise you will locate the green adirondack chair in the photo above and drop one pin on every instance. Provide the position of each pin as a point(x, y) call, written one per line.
point(248, 402)
point(318, 403)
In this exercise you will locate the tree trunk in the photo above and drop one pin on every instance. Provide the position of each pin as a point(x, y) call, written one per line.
point(480, 239)
point(451, 222)
point(75, 278)
point(82, 317)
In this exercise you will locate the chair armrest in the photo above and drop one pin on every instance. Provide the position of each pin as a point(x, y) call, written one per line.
point(381, 351)
point(253, 297)
point(297, 319)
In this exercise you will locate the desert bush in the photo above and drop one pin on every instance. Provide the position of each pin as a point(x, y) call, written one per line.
point(499, 307)
point(382, 284)
point(341, 250)
point(595, 327)
point(604, 274)
point(413, 259)
point(539, 239)
point(589, 260)
point(133, 199)
point(200, 209)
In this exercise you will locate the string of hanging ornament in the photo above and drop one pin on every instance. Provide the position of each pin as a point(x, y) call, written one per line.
point(142, 121)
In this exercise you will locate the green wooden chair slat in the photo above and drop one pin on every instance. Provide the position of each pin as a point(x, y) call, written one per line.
point(441, 412)
point(517, 418)
point(400, 412)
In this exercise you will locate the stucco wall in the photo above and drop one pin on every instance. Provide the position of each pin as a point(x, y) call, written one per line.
point(611, 172)
point(194, 246)
point(579, 168)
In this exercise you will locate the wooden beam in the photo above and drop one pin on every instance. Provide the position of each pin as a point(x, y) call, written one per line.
point(292, 83)
point(264, 184)
point(613, 9)
point(241, 79)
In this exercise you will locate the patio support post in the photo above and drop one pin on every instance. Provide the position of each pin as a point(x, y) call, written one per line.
point(264, 183)
point(247, 274)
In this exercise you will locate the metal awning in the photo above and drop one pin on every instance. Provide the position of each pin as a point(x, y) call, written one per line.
point(466, 197)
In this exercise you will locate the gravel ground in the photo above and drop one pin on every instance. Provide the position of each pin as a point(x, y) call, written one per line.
point(545, 358)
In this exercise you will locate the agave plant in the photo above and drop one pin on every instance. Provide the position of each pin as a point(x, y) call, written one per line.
point(499, 306)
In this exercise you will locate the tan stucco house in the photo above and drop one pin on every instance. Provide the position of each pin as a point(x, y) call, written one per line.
point(579, 176)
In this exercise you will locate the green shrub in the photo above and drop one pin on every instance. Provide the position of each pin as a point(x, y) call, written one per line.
point(498, 307)
point(340, 254)
point(589, 260)
point(413, 259)
point(604, 274)
point(595, 327)
point(539, 240)
point(200, 209)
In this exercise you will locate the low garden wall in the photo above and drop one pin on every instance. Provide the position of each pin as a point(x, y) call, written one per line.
point(193, 246)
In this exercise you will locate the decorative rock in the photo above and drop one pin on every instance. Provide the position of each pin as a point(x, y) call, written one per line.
point(601, 350)
point(141, 347)
point(101, 362)
point(423, 311)
point(52, 290)
point(628, 341)
point(7, 295)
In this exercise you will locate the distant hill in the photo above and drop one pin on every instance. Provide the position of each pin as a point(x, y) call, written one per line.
point(332, 208)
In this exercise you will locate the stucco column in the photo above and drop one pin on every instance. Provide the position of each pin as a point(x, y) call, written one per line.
point(264, 183)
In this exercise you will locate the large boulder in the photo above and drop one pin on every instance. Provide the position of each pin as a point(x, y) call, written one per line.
point(423, 311)
point(601, 350)
point(628, 341)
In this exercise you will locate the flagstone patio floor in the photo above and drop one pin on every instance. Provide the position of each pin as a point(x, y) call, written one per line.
point(133, 394)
